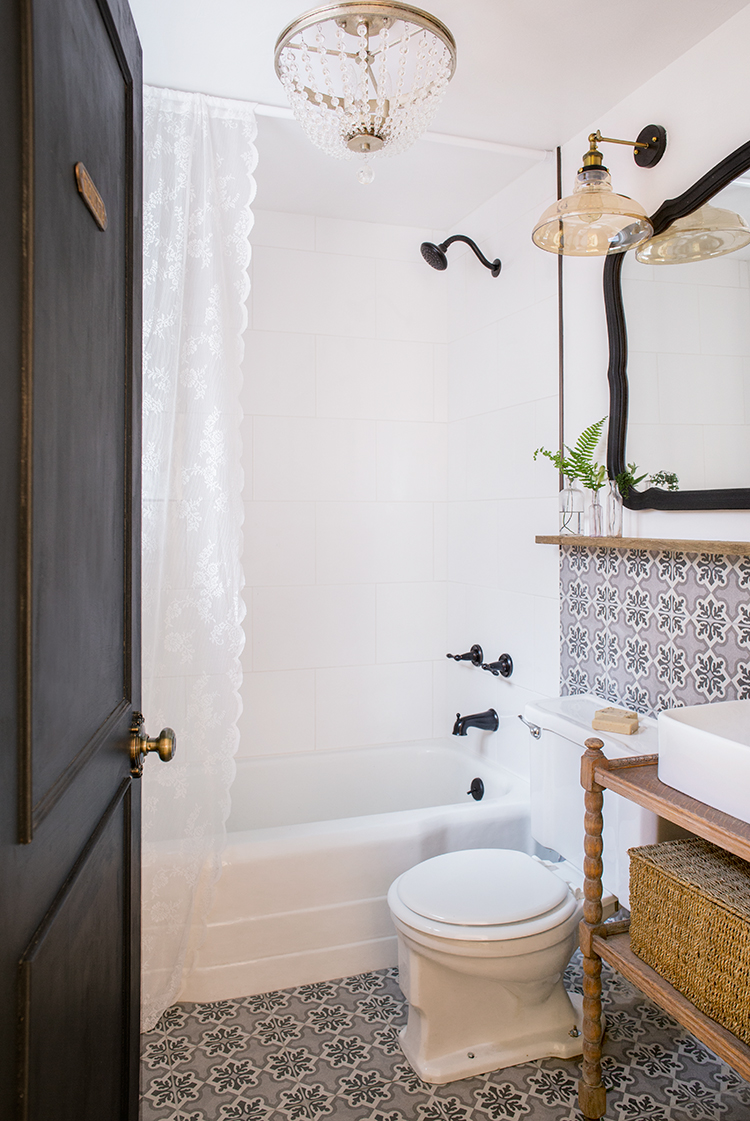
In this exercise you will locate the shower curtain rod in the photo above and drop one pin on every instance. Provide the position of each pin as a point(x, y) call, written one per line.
point(433, 137)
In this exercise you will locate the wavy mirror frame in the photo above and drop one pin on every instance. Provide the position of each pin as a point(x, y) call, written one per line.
point(655, 498)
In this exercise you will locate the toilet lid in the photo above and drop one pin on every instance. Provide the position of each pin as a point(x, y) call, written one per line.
point(481, 887)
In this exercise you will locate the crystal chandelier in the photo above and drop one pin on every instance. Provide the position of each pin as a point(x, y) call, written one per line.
point(366, 77)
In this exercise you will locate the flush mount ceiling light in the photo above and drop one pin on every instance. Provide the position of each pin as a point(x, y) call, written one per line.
point(595, 221)
point(365, 78)
point(709, 231)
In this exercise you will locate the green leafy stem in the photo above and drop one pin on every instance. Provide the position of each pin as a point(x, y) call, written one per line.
point(578, 461)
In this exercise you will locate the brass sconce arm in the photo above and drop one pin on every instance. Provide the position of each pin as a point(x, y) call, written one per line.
point(649, 147)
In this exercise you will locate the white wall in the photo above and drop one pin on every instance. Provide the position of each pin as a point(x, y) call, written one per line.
point(701, 99)
point(372, 545)
point(345, 485)
point(502, 404)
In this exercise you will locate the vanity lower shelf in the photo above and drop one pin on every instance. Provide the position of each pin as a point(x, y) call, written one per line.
point(617, 953)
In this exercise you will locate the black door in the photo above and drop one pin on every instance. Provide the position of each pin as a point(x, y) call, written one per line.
point(70, 121)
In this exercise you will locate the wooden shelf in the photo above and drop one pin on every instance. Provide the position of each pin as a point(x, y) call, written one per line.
point(617, 952)
point(726, 548)
point(635, 777)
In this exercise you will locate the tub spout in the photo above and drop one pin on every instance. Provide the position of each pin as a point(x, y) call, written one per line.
point(487, 721)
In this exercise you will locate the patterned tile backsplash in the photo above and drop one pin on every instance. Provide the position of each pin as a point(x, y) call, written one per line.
point(650, 630)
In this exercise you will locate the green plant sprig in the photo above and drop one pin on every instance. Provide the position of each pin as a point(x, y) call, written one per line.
point(579, 461)
point(666, 479)
point(628, 478)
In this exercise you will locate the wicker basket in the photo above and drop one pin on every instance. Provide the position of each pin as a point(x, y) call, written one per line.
point(690, 921)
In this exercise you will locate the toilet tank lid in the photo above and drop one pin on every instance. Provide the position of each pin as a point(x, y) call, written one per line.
point(481, 887)
point(571, 717)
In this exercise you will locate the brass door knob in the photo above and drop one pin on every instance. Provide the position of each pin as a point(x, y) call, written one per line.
point(165, 745)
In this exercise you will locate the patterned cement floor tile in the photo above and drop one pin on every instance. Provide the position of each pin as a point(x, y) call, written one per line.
point(330, 1052)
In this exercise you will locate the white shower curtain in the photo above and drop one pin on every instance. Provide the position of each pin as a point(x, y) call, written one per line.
point(199, 158)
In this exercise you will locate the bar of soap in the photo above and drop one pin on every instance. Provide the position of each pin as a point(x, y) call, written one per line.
point(615, 720)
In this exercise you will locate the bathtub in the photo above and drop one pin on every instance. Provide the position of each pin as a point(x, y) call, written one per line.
point(314, 842)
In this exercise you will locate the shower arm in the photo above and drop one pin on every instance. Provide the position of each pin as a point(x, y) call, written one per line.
point(493, 266)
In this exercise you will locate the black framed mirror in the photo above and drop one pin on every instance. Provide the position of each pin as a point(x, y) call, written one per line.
point(725, 174)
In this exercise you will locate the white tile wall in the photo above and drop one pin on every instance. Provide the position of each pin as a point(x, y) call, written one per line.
point(393, 500)
point(345, 485)
point(502, 404)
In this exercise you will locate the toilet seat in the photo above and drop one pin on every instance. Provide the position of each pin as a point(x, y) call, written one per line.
point(481, 895)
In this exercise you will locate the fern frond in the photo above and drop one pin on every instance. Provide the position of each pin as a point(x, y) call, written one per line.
point(587, 441)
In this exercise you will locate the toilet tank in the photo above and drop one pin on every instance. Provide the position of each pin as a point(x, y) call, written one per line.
point(557, 807)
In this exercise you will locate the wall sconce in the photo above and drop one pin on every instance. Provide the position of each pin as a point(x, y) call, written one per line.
point(594, 221)
point(708, 232)
point(435, 256)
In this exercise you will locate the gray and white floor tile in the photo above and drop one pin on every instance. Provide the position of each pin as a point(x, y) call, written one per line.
point(329, 1052)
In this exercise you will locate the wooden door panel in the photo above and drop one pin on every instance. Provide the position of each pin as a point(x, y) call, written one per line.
point(80, 364)
point(70, 74)
point(68, 1004)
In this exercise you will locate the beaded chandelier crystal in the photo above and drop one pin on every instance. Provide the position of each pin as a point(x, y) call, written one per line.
point(365, 77)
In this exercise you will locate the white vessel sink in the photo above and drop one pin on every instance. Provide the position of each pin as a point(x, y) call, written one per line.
point(704, 751)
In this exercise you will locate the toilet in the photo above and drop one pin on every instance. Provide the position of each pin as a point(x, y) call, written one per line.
point(484, 935)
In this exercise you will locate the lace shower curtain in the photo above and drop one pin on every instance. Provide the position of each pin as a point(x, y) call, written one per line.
point(199, 158)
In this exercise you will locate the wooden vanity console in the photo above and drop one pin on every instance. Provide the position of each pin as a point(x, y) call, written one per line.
point(636, 778)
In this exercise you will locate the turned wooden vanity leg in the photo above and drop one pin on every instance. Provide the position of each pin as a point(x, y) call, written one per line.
point(592, 1096)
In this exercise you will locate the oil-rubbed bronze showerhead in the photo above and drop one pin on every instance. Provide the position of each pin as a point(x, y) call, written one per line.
point(435, 256)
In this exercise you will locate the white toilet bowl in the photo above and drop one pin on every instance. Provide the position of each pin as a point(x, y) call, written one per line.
point(484, 938)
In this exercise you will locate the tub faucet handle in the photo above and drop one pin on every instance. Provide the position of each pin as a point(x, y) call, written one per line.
point(475, 656)
point(503, 667)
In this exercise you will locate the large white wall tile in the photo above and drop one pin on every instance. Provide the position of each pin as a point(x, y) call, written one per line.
point(279, 374)
point(370, 239)
point(373, 704)
point(378, 379)
point(473, 542)
point(278, 713)
point(312, 293)
point(698, 389)
point(301, 458)
point(282, 230)
point(724, 320)
point(440, 540)
point(727, 450)
point(411, 622)
point(374, 542)
point(546, 674)
point(411, 301)
point(411, 461)
point(523, 565)
point(279, 543)
point(441, 382)
point(304, 627)
point(473, 373)
point(662, 316)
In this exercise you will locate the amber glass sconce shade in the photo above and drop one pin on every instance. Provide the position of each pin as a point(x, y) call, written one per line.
point(709, 231)
point(595, 221)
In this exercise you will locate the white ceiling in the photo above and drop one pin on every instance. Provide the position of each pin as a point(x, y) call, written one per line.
point(528, 74)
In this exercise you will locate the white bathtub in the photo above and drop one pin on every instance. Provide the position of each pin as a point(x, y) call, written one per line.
point(314, 842)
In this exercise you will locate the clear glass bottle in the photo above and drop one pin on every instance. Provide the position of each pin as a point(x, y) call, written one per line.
point(571, 509)
point(613, 519)
point(596, 515)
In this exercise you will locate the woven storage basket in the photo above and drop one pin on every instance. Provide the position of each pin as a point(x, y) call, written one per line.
point(690, 921)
